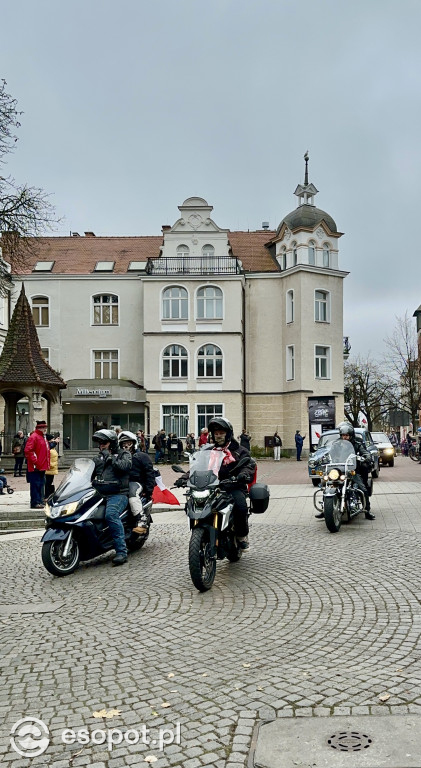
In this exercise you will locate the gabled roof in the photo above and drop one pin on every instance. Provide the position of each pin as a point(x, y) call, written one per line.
point(79, 255)
point(21, 360)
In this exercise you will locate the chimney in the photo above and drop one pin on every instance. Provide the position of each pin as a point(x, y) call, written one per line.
point(265, 225)
point(89, 234)
point(166, 227)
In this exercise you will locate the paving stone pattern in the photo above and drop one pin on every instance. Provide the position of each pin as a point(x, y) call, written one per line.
point(306, 624)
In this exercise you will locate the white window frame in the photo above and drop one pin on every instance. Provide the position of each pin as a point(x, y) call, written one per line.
point(173, 427)
point(312, 253)
point(283, 258)
point(208, 251)
point(207, 406)
point(183, 251)
point(102, 305)
point(289, 307)
point(171, 299)
point(318, 362)
point(180, 358)
point(326, 259)
point(294, 250)
point(290, 362)
point(47, 356)
point(211, 300)
point(214, 358)
point(318, 303)
point(41, 296)
point(103, 362)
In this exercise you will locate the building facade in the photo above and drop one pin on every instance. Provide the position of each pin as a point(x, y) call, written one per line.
point(168, 331)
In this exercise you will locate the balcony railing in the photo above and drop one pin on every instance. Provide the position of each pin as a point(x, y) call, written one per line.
point(194, 265)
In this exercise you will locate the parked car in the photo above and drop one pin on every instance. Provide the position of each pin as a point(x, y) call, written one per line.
point(315, 470)
point(385, 448)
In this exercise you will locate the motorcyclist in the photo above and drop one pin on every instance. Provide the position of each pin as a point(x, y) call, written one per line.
point(221, 432)
point(141, 481)
point(364, 462)
point(111, 479)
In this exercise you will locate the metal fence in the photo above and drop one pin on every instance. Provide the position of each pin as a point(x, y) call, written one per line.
point(195, 265)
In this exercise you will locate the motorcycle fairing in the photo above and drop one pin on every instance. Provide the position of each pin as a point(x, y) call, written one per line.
point(55, 534)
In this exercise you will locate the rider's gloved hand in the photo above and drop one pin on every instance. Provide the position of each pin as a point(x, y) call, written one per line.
point(227, 485)
point(181, 482)
point(243, 477)
point(105, 452)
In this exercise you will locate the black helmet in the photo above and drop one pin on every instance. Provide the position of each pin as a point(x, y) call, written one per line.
point(106, 436)
point(345, 428)
point(220, 423)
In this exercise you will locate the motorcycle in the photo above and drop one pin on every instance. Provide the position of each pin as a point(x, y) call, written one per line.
point(338, 491)
point(209, 509)
point(75, 523)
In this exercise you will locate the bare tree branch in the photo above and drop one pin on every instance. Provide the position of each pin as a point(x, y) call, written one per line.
point(404, 364)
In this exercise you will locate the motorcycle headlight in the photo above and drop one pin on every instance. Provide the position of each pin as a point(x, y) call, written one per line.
point(333, 474)
point(64, 511)
point(200, 494)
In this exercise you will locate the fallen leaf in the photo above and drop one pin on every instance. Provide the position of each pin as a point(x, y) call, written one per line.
point(108, 713)
point(205, 674)
point(171, 674)
point(155, 714)
point(259, 688)
point(385, 697)
point(165, 704)
point(246, 665)
point(150, 759)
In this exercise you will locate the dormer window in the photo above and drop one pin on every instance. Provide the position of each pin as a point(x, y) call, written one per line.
point(183, 251)
point(104, 266)
point(43, 266)
point(208, 251)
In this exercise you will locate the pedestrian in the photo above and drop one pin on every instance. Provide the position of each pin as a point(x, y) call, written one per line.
point(244, 439)
point(18, 446)
point(404, 447)
point(37, 452)
point(141, 440)
point(50, 473)
point(277, 445)
point(159, 442)
point(204, 437)
point(299, 440)
point(190, 443)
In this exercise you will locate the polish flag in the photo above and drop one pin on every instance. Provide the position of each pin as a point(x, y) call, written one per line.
point(161, 494)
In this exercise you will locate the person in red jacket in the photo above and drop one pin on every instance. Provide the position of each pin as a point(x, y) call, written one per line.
point(37, 452)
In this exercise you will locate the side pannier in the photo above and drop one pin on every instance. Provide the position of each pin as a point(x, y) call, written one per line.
point(259, 498)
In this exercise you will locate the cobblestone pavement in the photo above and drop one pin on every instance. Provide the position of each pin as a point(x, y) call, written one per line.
point(307, 623)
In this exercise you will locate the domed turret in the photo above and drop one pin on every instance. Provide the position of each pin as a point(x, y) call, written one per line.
point(306, 215)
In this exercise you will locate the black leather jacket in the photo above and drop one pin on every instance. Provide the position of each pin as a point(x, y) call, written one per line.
point(142, 472)
point(111, 473)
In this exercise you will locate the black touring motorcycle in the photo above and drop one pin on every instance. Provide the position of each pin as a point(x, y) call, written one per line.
point(75, 523)
point(209, 509)
point(338, 494)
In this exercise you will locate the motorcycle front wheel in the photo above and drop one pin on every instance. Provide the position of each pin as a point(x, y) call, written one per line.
point(54, 560)
point(333, 515)
point(202, 566)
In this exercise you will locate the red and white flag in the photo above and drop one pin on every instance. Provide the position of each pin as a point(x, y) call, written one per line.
point(161, 494)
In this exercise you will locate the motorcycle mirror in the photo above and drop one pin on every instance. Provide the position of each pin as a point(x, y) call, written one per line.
point(177, 468)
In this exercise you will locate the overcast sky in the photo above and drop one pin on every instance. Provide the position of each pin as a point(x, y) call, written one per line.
point(132, 106)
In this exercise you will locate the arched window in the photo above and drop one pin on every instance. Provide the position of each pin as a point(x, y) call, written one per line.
point(294, 254)
point(209, 303)
point(290, 306)
point(209, 361)
point(105, 309)
point(312, 253)
point(321, 307)
point(208, 251)
point(283, 259)
point(183, 250)
point(326, 255)
point(174, 362)
point(175, 303)
point(41, 310)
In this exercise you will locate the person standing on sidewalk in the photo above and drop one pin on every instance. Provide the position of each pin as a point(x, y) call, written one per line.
point(37, 452)
point(18, 446)
point(53, 470)
point(277, 445)
point(299, 440)
point(244, 439)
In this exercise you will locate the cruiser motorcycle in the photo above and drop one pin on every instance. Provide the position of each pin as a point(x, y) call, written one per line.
point(75, 523)
point(338, 494)
point(209, 509)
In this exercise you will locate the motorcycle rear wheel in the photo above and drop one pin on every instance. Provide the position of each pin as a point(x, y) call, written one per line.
point(333, 515)
point(202, 566)
point(52, 557)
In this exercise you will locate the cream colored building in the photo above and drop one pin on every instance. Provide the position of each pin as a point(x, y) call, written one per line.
point(167, 331)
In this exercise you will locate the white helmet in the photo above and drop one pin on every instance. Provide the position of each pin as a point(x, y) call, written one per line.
point(125, 436)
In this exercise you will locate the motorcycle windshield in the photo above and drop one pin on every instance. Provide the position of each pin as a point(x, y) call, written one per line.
point(341, 452)
point(78, 478)
point(204, 468)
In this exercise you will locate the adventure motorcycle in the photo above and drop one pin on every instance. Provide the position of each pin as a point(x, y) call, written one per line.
point(338, 492)
point(209, 509)
point(75, 522)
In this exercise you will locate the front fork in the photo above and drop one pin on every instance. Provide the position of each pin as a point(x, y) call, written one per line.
point(68, 544)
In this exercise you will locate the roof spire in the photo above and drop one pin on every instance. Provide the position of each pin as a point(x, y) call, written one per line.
point(306, 170)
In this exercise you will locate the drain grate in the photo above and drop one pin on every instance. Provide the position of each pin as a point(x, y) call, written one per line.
point(350, 741)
